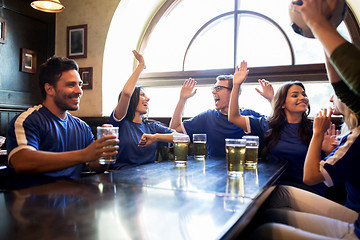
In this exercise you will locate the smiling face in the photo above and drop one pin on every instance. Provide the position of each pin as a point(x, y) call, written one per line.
point(222, 95)
point(296, 101)
point(67, 91)
point(143, 104)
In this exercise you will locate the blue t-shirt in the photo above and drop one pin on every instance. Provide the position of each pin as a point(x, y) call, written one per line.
point(289, 148)
point(129, 154)
point(38, 128)
point(343, 166)
point(217, 128)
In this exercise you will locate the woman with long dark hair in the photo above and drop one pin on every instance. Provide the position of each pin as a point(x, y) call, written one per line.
point(286, 134)
point(136, 133)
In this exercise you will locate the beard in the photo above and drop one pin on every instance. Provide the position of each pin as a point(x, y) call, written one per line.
point(61, 102)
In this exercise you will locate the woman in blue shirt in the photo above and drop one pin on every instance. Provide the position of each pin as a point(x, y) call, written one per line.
point(286, 133)
point(299, 214)
point(136, 133)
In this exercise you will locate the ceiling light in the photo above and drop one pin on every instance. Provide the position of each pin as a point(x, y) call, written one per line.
point(50, 6)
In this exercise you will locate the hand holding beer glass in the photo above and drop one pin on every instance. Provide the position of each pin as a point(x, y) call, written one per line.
point(199, 141)
point(252, 150)
point(181, 142)
point(235, 156)
point(105, 130)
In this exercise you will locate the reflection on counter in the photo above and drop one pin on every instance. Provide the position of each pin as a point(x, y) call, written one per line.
point(235, 192)
point(251, 178)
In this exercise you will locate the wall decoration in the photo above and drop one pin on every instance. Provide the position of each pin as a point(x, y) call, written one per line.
point(2, 30)
point(86, 74)
point(28, 60)
point(77, 41)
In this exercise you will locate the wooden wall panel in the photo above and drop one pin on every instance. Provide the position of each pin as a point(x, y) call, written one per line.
point(26, 28)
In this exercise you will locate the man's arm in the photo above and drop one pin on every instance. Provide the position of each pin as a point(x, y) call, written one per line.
point(123, 104)
point(34, 161)
point(187, 90)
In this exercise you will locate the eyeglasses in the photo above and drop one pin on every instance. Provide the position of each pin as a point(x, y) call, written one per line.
point(218, 88)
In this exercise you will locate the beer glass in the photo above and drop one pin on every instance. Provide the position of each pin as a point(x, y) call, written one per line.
point(199, 143)
point(180, 149)
point(252, 149)
point(105, 131)
point(235, 156)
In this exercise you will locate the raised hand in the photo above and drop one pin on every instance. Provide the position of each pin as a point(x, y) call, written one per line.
point(240, 73)
point(330, 141)
point(140, 58)
point(267, 89)
point(188, 89)
point(311, 11)
point(322, 121)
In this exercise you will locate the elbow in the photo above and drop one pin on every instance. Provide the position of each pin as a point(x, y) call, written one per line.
point(308, 180)
point(231, 118)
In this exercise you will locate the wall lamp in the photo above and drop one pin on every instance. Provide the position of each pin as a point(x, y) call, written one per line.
point(50, 6)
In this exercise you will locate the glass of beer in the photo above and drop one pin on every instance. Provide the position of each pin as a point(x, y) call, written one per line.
point(235, 156)
point(252, 149)
point(105, 130)
point(181, 142)
point(199, 141)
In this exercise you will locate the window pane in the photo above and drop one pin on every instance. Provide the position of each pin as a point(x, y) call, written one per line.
point(214, 48)
point(171, 36)
point(260, 43)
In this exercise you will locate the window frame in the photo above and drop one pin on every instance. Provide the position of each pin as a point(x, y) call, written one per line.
point(303, 72)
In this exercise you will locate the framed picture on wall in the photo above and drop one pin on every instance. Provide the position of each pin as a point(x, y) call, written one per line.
point(77, 41)
point(86, 75)
point(28, 60)
point(2, 30)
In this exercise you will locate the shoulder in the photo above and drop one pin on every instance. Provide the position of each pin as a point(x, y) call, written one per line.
point(35, 113)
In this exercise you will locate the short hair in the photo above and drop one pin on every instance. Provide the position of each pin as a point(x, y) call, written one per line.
point(229, 79)
point(50, 71)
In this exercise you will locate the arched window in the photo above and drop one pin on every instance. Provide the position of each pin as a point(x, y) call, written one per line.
point(205, 38)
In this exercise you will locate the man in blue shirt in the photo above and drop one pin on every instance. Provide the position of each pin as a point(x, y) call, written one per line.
point(46, 139)
point(214, 122)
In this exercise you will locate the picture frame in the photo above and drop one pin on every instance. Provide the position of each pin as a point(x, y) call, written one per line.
point(77, 41)
point(86, 75)
point(28, 60)
point(2, 30)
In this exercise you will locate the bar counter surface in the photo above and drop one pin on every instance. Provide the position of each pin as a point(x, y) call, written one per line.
point(153, 201)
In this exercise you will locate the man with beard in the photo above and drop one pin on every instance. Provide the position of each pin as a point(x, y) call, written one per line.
point(46, 140)
point(214, 122)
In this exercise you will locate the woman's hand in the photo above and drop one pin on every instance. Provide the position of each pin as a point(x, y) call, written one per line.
point(140, 59)
point(147, 140)
point(240, 73)
point(322, 121)
point(330, 141)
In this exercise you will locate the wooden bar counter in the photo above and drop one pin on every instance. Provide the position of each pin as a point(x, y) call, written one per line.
point(153, 201)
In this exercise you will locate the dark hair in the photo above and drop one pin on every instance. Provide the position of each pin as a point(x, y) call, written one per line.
point(228, 78)
point(51, 70)
point(134, 101)
point(278, 117)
